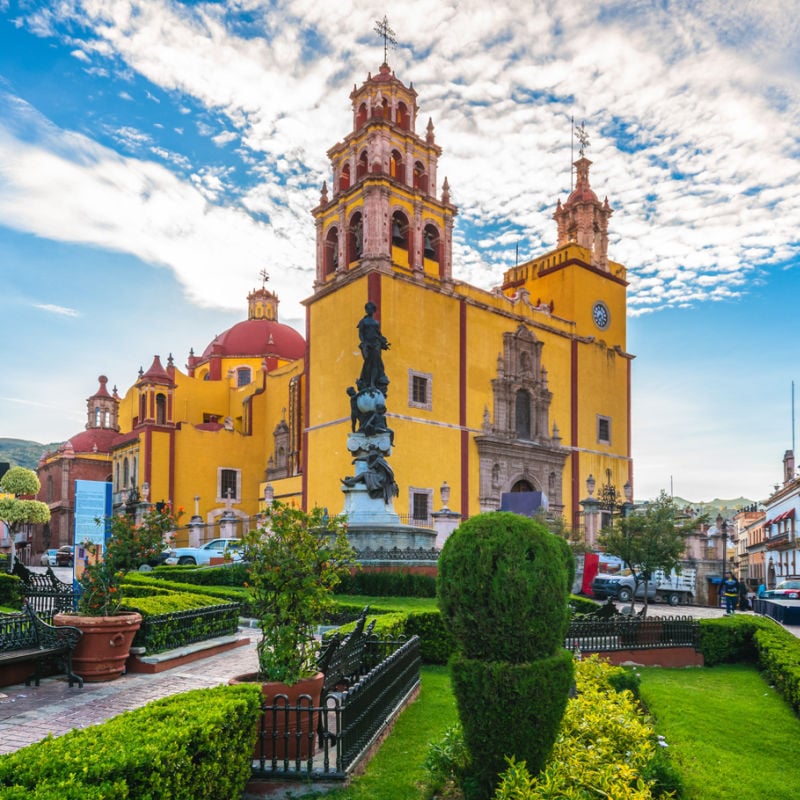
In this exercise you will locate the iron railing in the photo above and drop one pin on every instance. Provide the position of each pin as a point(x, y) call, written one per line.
point(160, 632)
point(396, 554)
point(632, 633)
point(328, 741)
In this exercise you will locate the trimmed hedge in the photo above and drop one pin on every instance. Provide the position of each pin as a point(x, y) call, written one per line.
point(729, 640)
point(234, 574)
point(233, 594)
point(388, 584)
point(503, 586)
point(190, 745)
point(10, 591)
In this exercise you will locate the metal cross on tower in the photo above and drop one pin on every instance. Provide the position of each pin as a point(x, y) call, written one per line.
point(583, 138)
point(382, 29)
point(264, 275)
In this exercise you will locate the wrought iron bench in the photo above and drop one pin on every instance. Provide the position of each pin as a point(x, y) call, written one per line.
point(44, 592)
point(344, 659)
point(25, 637)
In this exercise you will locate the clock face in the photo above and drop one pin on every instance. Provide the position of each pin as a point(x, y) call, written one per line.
point(600, 315)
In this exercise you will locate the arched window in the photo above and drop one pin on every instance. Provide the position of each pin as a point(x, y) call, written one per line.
point(400, 232)
point(331, 251)
point(142, 407)
point(523, 414)
point(397, 169)
point(126, 474)
point(363, 166)
point(97, 417)
point(431, 243)
point(49, 492)
point(107, 421)
point(355, 238)
point(522, 486)
point(361, 116)
point(161, 409)
point(403, 117)
point(420, 178)
point(344, 178)
point(243, 376)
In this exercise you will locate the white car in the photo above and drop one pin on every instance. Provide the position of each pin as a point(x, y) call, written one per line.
point(216, 548)
point(48, 558)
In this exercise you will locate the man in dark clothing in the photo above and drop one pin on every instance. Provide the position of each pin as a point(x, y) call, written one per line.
point(730, 588)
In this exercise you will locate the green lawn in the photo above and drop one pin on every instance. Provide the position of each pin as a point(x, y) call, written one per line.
point(392, 603)
point(396, 770)
point(729, 733)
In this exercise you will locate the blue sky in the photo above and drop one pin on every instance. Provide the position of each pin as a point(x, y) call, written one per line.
point(155, 156)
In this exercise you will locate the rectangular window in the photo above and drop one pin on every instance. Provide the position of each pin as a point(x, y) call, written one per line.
point(420, 389)
point(228, 480)
point(420, 502)
point(603, 430)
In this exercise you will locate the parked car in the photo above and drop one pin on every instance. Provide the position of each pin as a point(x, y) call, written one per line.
point(785, 590)
point(48, 558)
point(216, 548)
point(65, 556)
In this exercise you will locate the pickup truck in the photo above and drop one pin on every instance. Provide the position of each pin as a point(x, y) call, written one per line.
point(203, 554)
point(673, 588)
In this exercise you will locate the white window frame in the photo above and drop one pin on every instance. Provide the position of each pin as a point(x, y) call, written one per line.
point(601, 419)
point(221, 498)
point(428, 378)
point(412, 491)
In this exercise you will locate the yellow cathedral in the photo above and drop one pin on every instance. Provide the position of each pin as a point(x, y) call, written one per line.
point(524, 388)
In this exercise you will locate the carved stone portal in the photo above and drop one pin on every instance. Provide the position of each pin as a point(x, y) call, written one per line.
point(518, 451)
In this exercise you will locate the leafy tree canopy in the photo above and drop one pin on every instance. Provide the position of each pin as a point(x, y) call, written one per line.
point(649, 539)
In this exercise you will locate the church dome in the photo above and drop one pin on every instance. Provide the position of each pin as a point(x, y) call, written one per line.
point(259, 335)
point(93, 440)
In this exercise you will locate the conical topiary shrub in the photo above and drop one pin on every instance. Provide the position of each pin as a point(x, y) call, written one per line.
point(503, 587)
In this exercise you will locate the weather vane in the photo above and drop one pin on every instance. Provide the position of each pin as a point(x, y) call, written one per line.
point(382, 29)
point(264, 275)
point(583, 138)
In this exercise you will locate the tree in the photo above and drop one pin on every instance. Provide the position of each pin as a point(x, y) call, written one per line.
point(649, 540)
point(18, 508)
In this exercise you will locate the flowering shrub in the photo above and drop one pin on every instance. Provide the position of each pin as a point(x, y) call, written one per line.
point(606, 747)
point(296, 560)
point(127, 548)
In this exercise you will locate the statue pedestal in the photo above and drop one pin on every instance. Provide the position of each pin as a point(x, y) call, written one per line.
point(361, 509)
point(359, 444)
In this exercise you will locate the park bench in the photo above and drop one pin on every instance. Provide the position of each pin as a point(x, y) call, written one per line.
point(44, 592)
point(25, 637)
point(345, 659)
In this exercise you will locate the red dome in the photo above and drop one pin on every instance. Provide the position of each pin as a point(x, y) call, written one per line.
point(94, 440)
point(258, 337)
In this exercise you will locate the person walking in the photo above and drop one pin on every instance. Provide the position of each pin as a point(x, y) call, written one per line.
point(730, 589)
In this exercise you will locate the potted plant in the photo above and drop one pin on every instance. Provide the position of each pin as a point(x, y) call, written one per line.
point(294, 561)
point(108, 629)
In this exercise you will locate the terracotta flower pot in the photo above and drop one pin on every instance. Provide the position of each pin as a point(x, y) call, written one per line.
point(105, 645)
point(280, 728)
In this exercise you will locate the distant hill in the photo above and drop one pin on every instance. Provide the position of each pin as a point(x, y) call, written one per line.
point(715, 506)
point(22, 453)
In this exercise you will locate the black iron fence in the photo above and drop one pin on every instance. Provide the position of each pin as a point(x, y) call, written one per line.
point(632, 633)
point(160, 632)
point(328, 741)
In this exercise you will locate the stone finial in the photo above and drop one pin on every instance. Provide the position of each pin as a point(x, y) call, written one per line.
point(446, 191)
point(429, 137)
point(323, 196)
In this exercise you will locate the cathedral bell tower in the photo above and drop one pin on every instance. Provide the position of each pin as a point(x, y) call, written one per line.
point(382, 212)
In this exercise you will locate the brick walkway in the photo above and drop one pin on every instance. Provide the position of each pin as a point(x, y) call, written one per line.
point(29, 713)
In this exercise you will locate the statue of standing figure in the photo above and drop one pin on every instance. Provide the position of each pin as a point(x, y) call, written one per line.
point(372, 343)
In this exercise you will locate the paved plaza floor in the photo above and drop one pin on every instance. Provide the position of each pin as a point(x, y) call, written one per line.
point(30, 713)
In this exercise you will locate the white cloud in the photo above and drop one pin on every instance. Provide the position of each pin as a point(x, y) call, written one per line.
point(60, 310)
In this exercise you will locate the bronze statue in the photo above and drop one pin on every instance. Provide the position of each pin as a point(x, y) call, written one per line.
point(371, 343)
point(378, 478)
